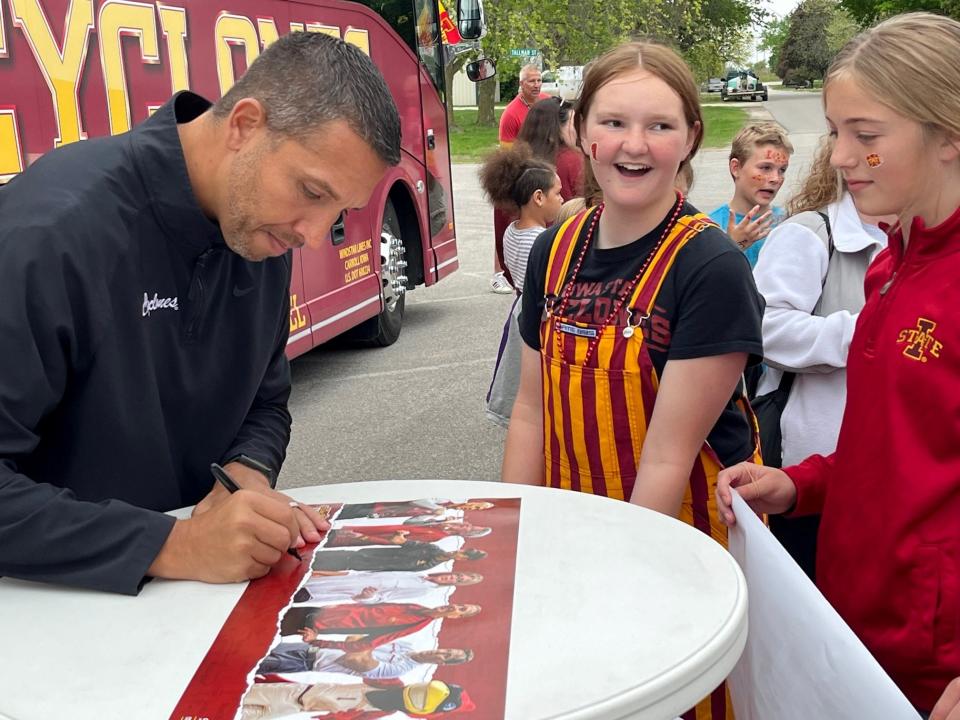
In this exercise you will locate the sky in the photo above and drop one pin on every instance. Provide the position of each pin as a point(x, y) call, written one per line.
point(781, 8)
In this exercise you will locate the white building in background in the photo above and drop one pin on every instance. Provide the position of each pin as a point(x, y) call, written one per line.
point(465, 93)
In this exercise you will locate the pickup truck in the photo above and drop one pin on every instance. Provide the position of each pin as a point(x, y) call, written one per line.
point(743, 84)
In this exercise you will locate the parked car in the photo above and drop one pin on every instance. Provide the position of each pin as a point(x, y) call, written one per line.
point(743, 84)
point(564, 82)
point(715, 85)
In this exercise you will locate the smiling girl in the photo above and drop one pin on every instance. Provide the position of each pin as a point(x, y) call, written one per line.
point(888, 555)
point(638, 316)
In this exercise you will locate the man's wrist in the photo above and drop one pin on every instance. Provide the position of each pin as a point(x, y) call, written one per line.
point(268, 472)
point(169, 562)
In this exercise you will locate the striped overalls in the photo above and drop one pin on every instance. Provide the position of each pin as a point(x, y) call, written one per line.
point(599, 390)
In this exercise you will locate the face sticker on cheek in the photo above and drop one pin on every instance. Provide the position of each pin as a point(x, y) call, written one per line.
point(874, 160)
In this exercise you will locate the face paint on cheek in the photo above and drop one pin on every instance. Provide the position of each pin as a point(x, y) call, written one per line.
point(874, 160)
point(604, 152)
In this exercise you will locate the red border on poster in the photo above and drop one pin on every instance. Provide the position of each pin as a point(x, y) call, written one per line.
point(215, 690)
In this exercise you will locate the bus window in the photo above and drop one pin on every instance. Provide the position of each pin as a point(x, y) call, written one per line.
point(429, 47)
point(400, 15)
point(417, 22)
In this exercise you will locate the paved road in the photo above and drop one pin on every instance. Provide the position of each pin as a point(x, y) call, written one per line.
point(415, 410)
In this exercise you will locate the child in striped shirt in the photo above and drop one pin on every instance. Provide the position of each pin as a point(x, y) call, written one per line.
point(513, 179)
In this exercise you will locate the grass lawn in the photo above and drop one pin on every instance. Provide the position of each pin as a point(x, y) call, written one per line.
point(721, 124)
point(473, 143)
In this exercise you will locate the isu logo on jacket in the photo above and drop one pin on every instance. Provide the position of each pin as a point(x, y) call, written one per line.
point(920, 341)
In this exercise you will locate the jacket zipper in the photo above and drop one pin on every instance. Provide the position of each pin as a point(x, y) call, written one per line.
point(196, 294)
point(881, 311)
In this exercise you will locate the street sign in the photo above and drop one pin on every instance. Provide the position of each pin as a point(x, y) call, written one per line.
point(524, 52)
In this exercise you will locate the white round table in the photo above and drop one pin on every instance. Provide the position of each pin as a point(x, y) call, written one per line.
point(619, 612)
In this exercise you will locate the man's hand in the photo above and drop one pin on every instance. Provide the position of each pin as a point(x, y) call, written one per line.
point(746, 232)
point(765, 490)
point(308, 634)
point(948, 706)
point(237, 539)
point(310, 522)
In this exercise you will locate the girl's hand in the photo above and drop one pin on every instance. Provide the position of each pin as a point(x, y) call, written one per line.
point(765, 489)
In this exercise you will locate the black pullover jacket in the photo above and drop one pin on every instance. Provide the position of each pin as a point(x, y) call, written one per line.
point(135, 349)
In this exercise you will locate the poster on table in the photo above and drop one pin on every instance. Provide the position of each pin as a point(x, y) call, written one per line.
point(402, 611)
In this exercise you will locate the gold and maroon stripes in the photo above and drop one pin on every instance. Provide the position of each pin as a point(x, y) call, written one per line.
point(563, 246)
point(645, 294)
point(597, 410)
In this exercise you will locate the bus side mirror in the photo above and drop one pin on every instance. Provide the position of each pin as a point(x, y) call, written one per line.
point(481, 69)
point(470, 19)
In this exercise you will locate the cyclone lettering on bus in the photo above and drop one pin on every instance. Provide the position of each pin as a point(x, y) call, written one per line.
point(61, 60)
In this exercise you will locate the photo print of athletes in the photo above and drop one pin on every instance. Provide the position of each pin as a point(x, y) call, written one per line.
point(405, 613)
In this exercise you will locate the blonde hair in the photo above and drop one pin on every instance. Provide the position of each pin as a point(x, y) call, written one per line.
point(570, 208)
point(911, 64)
point(823, 184)
point(656, 59)
point(756, 134)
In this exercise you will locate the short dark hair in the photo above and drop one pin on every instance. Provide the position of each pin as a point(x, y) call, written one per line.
point(305, 79)
point(474, 554)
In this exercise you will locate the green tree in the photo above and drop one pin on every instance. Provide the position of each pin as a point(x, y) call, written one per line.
point(840, 30)
point(868, 12)
point(817, 29)
point(773, 37)
point(572, 32)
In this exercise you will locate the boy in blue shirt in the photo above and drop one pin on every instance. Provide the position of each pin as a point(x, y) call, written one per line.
point(759, 157)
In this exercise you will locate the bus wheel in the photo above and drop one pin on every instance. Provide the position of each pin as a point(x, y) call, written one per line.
point(384, 329)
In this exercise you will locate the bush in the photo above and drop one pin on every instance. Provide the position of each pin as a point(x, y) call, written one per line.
point(799, 77)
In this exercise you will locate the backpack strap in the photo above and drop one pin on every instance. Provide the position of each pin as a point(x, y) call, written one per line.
point(830, 264)
point(819, 223)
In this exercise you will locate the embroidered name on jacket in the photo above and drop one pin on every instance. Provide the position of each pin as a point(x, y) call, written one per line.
point(920, 341)
point(158, 303)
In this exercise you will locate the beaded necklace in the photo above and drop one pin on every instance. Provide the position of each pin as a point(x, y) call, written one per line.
point(625, 291)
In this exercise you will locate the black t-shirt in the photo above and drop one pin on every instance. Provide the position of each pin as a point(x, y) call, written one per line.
point(708, 305)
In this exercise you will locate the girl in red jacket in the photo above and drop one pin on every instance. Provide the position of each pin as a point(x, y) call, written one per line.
point(889, 544)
